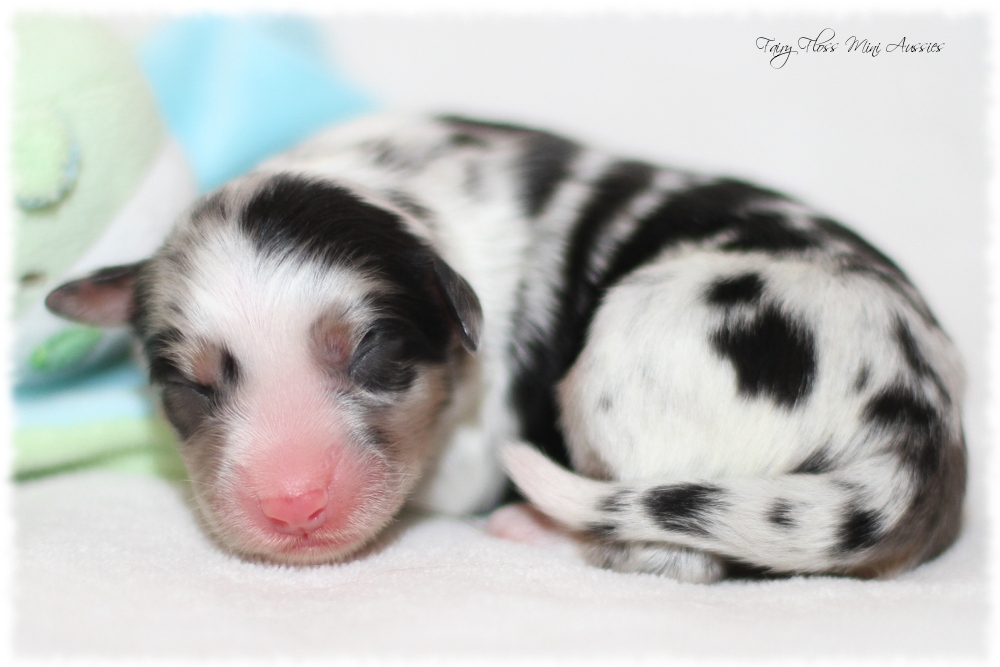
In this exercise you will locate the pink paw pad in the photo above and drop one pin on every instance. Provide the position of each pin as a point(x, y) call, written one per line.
point(523, 523)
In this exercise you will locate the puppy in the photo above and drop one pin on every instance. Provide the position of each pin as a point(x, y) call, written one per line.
point(733, 378)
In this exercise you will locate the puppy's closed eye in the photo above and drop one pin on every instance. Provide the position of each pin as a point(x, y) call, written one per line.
point(187, 404)
point(384, 359)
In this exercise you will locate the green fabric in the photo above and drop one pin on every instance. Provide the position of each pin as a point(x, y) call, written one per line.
point(74, 77)
point(137, 445)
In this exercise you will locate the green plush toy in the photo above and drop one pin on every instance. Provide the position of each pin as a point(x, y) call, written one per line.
point(97, 182)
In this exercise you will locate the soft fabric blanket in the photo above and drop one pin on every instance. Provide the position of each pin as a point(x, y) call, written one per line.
point(111, 564)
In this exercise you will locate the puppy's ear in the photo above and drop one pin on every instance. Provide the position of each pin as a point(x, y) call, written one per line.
point(462, 302)
point(104, 298)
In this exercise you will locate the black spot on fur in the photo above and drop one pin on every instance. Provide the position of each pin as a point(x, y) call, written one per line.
point(871, 254)
point(916, 425)
point(601, 530)
point(548, 358)
point(859, 530)
point(781, 514)
point(773, 354)
point(768, 232)
point(386, 155)
point(474, 125)
point(742, 289)
point(543, 166)
point(816, 463)
point(684, 508)
point(616, 502)
point(692, 215)
point(864, 375)
point(915, 359)
point(899, 409)
point(604, 403)
point(695, 214)
point(866, 259)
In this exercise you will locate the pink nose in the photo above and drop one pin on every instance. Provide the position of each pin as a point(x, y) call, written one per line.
point(298, 514)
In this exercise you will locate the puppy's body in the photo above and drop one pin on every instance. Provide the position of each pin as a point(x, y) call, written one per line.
point(368, 317)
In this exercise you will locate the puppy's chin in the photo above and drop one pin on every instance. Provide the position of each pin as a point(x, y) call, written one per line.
point(306, 550)
point(331, 543)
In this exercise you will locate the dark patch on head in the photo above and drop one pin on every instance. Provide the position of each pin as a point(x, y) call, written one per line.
point(781, 514)
point(768, 232)
point(773, 355)
point(685, 508)
point(745, 288)
point(864, 375)
point(817, 463)
point(604, 403)
point(860, 529)
point(293, 217)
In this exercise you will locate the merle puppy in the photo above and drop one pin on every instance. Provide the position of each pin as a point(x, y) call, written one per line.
point(368, 318)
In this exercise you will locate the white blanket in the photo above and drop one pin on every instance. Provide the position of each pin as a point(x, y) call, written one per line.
point(115, 565)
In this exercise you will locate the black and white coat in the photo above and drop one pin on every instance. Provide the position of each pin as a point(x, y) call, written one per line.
point(369, 318)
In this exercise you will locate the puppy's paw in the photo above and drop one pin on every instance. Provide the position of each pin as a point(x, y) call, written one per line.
point(520, 522)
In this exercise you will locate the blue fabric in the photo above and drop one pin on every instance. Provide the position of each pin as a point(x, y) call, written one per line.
point(111, 394)
point(234, 90)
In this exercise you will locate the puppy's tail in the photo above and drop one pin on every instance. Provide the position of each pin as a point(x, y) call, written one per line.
point(872, 518)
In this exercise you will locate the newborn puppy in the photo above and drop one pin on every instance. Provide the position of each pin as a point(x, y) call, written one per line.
point(366, 319)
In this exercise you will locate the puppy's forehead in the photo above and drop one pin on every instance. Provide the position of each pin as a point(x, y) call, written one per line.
point(268, 257)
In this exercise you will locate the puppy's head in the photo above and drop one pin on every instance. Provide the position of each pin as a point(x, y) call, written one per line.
point(305, 344)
